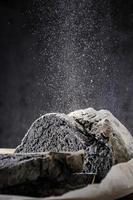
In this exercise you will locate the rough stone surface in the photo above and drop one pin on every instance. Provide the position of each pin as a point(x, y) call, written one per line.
point(102, 140)
point(105, 140)
point(42, 174)
point(104, 124)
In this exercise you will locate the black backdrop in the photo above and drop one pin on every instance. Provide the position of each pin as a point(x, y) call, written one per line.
point(58, 56)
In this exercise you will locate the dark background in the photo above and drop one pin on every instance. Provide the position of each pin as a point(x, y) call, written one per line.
point(62, 55)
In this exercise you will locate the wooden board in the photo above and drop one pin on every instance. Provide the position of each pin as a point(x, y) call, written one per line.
point(4, 151)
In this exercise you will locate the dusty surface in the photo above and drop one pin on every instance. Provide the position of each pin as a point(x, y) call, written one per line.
point(118, 184)
point(105, 142)
point(60, 132)
point(42, 174)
